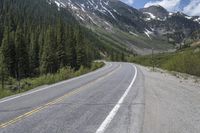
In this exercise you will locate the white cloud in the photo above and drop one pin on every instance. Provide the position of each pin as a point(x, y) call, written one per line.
point(170, 5)
point(130, 2)
point(193, 8)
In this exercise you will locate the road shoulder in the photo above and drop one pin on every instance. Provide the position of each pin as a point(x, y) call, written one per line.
point(171, 103)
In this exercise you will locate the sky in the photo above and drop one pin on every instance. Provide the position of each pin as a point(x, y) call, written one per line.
point(189, 7)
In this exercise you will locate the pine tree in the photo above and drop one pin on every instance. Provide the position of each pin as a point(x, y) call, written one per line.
point(90, 53)
point(34, 54)
point(122, 57)
point(73, 55)
point(41, 43)
point(71, 49)
point(8, 51)
point(48, 60)
point(112, 56)
point(116, 57)
point(21, 54)
point(61, 52)
point(1, 30)
point(81, 50)
point(3, 70)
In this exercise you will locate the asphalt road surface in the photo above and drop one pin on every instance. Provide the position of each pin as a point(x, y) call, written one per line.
point(118, 98)
point(109, 100)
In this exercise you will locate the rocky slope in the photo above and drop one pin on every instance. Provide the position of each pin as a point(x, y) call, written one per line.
point(175, 26)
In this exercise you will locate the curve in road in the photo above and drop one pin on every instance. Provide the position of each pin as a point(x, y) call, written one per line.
point(110, 99)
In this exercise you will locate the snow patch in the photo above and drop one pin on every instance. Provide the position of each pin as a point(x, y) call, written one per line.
point(170, 14)
point(116, 11)
point(80, 17)
point(161, 19)
point(92, 19)
point(59, 4)
point(197, 20)
point(106, 3)
point(148, 33)
point(133, 33)
point(107, 24)
point(151, 15)
point(107, 10)
point(188, 17)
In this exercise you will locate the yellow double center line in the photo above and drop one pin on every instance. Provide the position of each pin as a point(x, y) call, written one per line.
point(55, 101)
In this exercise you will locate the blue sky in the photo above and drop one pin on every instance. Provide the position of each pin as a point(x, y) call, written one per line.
point(190, 7)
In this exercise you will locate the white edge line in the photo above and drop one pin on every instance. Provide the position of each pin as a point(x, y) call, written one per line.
point(114, 111)
point(50, 86)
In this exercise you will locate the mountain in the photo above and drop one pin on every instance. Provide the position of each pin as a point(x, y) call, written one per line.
point(138, 30)
point(111, 25)
point(115, 23)
point(157, 15)
point(155, 12)
point(175, 26)
point(105, 13)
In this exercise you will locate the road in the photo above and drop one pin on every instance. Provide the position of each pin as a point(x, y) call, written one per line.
point(109, 100)
point(118, 98)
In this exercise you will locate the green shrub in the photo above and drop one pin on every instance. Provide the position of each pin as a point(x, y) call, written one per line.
point(185, 61)
point(96, 65)
point(30, 83)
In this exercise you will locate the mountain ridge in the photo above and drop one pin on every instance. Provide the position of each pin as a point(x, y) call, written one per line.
point(154, 22)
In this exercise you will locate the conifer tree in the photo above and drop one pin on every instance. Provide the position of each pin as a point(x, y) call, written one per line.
point(117, 56)
point(73, 55)
point(122, 57)
point(3, 70)
point(81, 49)
point(41, 43)
point(89, 53)
point(61, 42)
point(71, 49)
point(33, 54)
point(8, 51)
point(21, 55)
point(48, 60)
point(112, 56)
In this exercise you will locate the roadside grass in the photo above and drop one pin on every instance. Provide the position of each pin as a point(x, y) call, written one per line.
point(184, 61)
point(31, 83)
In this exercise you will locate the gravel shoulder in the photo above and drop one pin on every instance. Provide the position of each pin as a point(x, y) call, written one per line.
point(172, 102)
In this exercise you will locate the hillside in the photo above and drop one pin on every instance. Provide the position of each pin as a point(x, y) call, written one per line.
point(184, 61)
